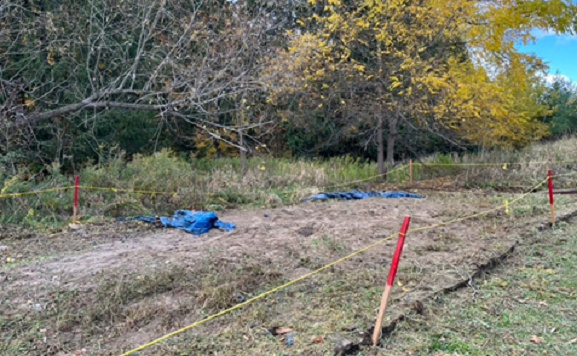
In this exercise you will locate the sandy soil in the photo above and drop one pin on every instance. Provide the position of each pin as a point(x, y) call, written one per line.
point(265, 233)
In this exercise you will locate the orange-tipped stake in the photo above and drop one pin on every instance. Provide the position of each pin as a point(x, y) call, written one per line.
point(551, 200)
point(390, 280)
point(76, 185)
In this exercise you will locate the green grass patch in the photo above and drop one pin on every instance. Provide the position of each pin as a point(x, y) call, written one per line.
point(528, 306)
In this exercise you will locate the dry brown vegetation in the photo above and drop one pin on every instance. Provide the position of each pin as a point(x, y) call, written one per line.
point(114, 286)
point(111, 286)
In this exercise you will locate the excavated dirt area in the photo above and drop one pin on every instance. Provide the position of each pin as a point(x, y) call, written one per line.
point(114, 286)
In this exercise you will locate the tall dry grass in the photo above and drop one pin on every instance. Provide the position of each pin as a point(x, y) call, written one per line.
point(174, 182)
point(518, 168)
point(168, 182)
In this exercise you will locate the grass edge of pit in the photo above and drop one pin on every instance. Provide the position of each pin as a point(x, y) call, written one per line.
point(417, 305)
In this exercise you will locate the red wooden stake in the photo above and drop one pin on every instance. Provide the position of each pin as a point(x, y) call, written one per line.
point(551, 200)
point(390, 280)
point(411, 173)
point(76, 185)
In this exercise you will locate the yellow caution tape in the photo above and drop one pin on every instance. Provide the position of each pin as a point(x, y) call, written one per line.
point(34, 192)
point(308, 275)
point(503, 164)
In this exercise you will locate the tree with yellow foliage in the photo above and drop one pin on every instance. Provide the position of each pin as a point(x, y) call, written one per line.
point(384, 63)
point(502, 112)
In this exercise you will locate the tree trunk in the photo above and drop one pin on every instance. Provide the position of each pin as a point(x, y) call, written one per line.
point(390, 149)
point(380, 148)
point(391, 137)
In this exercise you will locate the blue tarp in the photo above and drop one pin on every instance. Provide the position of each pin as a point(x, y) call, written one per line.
point(362, 195)
point(194, 222)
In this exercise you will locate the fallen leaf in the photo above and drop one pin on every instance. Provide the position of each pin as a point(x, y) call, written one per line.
point(573, 342)
point(543, 304)
point(317, 340)
point(536, 339)
point(279, 330)
point(74, 226)
point(399, 283)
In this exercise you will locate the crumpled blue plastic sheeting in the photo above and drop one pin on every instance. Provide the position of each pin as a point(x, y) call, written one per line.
point(194, 222)
point(362, 195)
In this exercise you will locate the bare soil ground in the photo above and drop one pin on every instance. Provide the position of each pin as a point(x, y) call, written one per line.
point(112, 287)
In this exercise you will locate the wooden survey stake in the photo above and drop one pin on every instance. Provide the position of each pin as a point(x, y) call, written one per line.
point(76, 186)
point(551, 200)
point(390, 280)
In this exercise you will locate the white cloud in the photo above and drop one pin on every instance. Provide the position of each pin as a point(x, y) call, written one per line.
point(561, 38)
point(539, 33)
point(551, 78)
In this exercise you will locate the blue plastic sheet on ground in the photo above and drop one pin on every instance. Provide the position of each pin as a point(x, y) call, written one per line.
point(362, 195)
point(194, 222)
